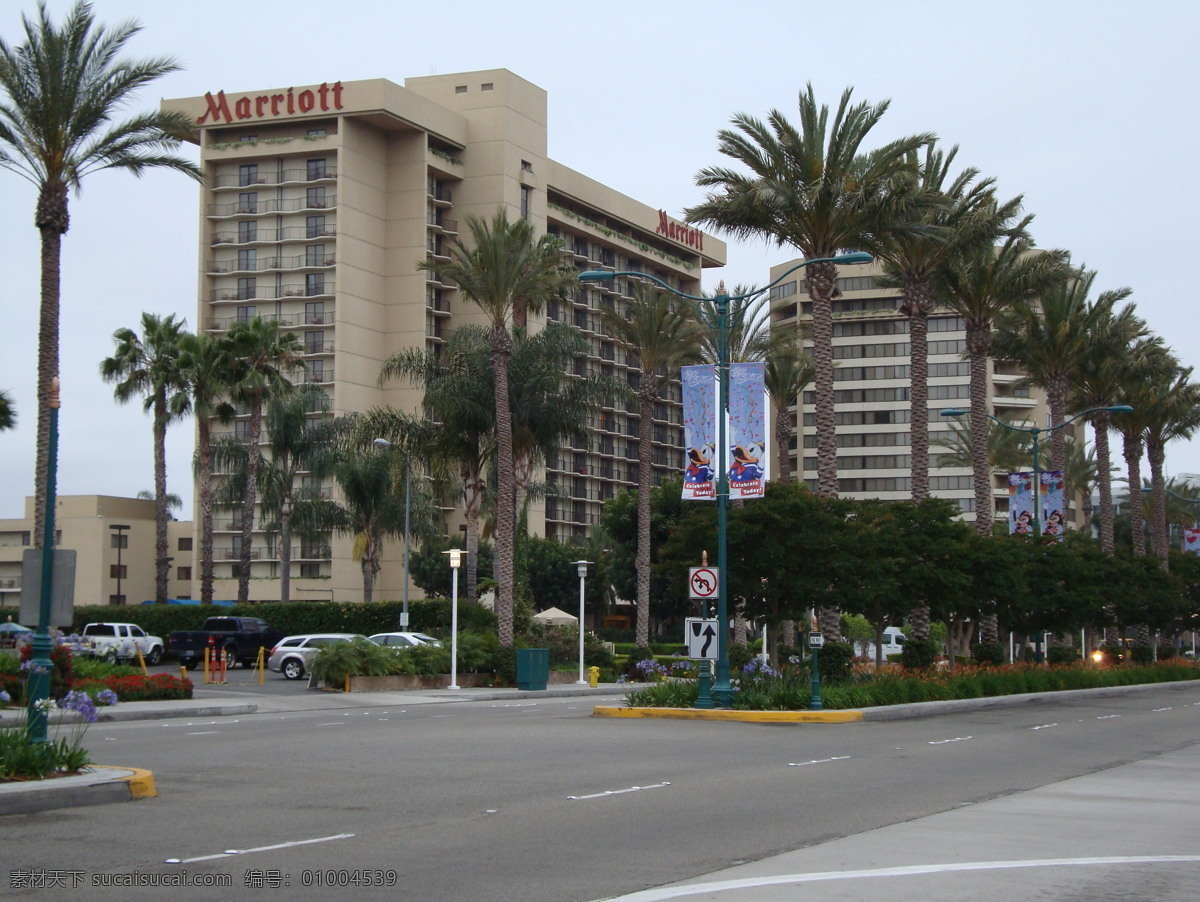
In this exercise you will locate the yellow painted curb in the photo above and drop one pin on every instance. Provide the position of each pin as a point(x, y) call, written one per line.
point(140, 782)
point(735, 716)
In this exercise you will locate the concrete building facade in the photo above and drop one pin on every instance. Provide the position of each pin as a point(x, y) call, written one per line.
point(320, 201)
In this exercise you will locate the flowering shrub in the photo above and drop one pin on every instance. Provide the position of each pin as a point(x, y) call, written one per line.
point(138, 688)
point(62, 673)
point(650, 670)
point(23, 759)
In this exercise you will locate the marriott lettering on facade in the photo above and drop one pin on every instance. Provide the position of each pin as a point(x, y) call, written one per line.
point(677, 231)
point(257, 106)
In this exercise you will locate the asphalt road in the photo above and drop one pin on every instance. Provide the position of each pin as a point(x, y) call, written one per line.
point(540, 801)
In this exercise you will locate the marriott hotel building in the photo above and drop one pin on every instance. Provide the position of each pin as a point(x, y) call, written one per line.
point(318, 204)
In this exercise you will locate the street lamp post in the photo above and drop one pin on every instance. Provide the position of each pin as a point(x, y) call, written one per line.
point(119, 529)
point(455, 561)
point(384, 443)
point(582, 567)
point(722, 690)
point(1036, 432)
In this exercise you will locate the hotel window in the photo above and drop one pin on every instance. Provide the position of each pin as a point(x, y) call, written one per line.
point(185, 545)
point(486, 86)
point(315, 227)
point(316, 169)
point(316, 371)
point(245, 138)
point(526, 194)
point(184, 573)
point(119, 540)
point(314, 283)
point(314, 255)
point(315, 198)
point(316, 132)
point(118, 571)
point(247, 288)
point(314, 313)
point(314, 342)
point(248, 174)
point(247, 231)
point(247, 260)
point(248, 202)
point(460, 89)
point(246, 313)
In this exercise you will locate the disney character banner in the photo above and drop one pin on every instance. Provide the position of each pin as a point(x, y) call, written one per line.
point(1191, 539)
point(1052, 504)
point(1020, 504)
point(747, 431)
point(699, 432)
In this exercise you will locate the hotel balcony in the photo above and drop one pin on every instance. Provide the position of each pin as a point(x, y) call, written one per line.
point(263, 264)
point(270, 236)
point(284, 177)
point(271, 205)
point(299, 319)
point(446, 226)
point(270, 293)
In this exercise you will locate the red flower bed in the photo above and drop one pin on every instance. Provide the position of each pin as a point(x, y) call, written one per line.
point(138, 688)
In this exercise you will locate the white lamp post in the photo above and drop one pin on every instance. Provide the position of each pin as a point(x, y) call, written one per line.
point(455, 561)
point(582, 565)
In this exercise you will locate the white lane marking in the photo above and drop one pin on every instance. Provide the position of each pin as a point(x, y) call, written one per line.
point(1107, 716)
point(436, 716)
point(698, 889)
point(335, 723)
point(517, 705)
point(818, 761)
point(1044, 726)
point(1163, 709)
point(229, 853)
point(956, 739)
point(617, 792)
point(203, 733)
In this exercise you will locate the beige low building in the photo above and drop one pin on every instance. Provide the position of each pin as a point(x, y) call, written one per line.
point(113, 540)
point(318, 204)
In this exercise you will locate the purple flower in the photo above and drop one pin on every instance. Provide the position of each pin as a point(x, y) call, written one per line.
point(106, 697)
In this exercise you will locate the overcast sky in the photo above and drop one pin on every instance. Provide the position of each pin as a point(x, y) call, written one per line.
point(1086, 108)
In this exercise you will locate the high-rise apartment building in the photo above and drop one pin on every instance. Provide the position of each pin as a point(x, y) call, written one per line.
point(318, 204)
point(871, 391)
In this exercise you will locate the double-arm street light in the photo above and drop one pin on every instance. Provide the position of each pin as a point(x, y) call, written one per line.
point(1037, 432)
point(718, 322)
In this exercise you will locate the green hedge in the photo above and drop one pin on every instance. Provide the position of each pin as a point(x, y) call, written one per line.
point(431, 615)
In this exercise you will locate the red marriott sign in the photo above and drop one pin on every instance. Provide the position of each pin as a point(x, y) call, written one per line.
point(677, 231)
point(260, 106)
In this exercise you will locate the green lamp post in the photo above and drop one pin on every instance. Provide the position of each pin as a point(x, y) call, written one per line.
point(722, 690)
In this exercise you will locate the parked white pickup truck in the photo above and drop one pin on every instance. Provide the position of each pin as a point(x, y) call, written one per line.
point(119, 641)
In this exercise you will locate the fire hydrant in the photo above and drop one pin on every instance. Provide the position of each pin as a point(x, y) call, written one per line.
point(593, 677)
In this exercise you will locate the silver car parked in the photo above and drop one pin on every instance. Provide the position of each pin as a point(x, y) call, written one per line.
point(294, 654)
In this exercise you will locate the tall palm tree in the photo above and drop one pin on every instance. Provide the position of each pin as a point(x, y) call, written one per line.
point(1099, 381)
point(956, 213)
point(663, 337)
point(1050, 340)
point(505, 270)
point(207, 367)
point(978, 284)
point(817, 190)
point(748, 332)
point(149, 365)
point(62, 88)
point(262, 355)
point(1172, 407)
point(788, 368)
point(8, 412)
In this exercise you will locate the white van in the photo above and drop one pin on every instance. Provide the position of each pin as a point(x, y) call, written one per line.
point(893, 644)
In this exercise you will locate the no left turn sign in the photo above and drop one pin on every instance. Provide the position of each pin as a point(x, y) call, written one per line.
point(702, 582)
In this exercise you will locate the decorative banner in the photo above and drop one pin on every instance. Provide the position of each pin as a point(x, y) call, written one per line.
point(1054, 522)
point(1191, 539)
point(699, 432)
point(1020, 504)
point(747, 431)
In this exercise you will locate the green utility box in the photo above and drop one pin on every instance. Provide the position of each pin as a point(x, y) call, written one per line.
point(533, 668)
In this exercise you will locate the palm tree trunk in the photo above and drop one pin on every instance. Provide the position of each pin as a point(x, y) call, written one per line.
point(472, 500)
point(204, 477)
point(52, 220)
point(1104, 480)
point(285, 551)
point(251, 497)
point(821, 281)
point(161, 564)
point(501, 349)
point(1137, 520)
point(368, 572)
point(917, 302)
point(978, 347)
point(783, 434)
point(646, 399)
point(1158, 517)
point(739, 623)
point(1056, 400)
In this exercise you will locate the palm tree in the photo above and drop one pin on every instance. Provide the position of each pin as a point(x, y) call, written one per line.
point(62, 89)
point(788, 368)
point(261, 353)
point(8, 412)
point(149, 365)
point(1172, 408)
point(1099, 381)
point(956, 214)
point(978, 284)
point(748, 332)
point(816, 190)
point(1008, 450)
point(1050, 340)
point(505, 271)
point(663, 337)
point(207, 367)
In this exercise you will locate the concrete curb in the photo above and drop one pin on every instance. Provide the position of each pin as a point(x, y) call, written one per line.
point(734, 716)
point(98, 785)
